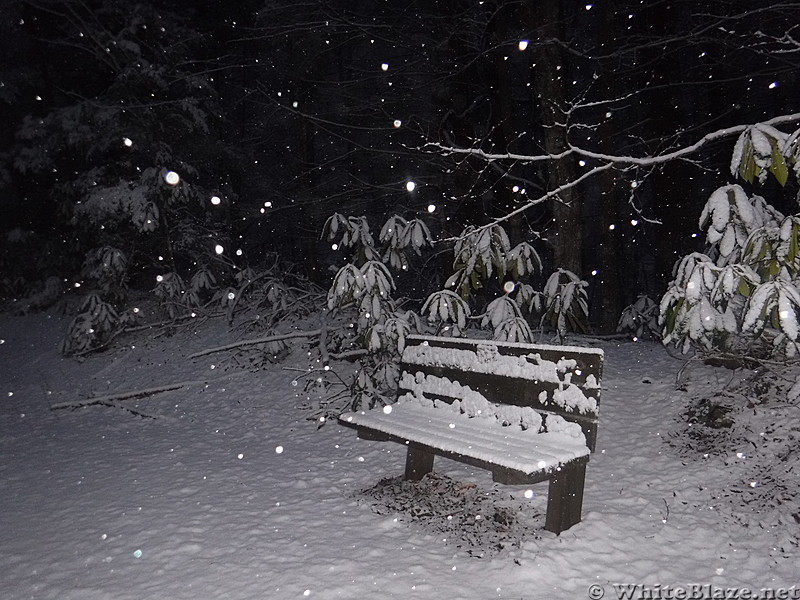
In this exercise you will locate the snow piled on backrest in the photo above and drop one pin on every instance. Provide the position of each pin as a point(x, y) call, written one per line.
point(557, 424)
point(467, 401)
point(566, 364)
point(572, 399)
point(487, 359)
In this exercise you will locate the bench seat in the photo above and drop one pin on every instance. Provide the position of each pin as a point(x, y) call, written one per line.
point(525, 452)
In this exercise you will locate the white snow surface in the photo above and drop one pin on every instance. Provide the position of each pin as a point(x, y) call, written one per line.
point(231, 493)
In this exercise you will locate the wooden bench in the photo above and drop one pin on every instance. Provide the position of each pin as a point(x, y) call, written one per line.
point(527, 413)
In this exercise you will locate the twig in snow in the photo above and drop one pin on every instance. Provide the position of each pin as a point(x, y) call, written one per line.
point(138, 413)
point(350, 354)
point(323, 341)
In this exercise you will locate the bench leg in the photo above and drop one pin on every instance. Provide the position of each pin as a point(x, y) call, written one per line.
point(419, 462)
point(565, 497)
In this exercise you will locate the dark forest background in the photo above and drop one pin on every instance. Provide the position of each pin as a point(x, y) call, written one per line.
point(276, 114)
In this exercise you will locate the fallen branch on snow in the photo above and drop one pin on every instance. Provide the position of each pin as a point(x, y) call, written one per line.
point(265, 340)
point(110, 399)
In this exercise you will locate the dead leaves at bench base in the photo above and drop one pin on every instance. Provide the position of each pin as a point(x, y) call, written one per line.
point(482, 523)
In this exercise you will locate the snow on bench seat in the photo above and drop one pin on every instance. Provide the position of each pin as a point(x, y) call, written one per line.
point(511, 447)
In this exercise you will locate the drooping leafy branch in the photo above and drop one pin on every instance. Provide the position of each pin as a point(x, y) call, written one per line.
point(742, 295)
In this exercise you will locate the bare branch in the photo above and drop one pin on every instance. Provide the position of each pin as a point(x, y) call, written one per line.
point(489, 156)
point(539, 200)
point(643, 161)
point(649, 161)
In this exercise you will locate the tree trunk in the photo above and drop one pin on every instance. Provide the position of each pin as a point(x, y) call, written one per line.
point(608, 294)
point(547, 74)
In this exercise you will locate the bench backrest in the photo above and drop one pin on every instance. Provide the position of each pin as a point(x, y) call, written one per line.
point(560, 383)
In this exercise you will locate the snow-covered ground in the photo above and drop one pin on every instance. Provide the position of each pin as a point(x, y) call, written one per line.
point(232, 493)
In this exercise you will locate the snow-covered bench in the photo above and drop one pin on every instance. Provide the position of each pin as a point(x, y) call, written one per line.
point(527, 413)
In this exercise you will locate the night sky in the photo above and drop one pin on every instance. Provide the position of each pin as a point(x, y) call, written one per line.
point(288, 113)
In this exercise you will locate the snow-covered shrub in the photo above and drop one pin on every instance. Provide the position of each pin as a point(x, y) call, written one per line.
point(202, 280)
point(95, 325)
point(447, 311)
point(171, 290)
point(741, 296)
point(640, 319)
point(99, 317)
point(365, 284)
point(479, 253)
point(486, 253)
point(367, 288)
point(281, 293)
point(530, 299)
point(774, 304)
point(730, 218)
point(687, 313)
point(364, 287)
point(522, 261)
point(107, 268)
point(515, 329)
point(397, 235)
point(352, 233)
point(499, 310)
point(391, 334)
point(566, 306)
